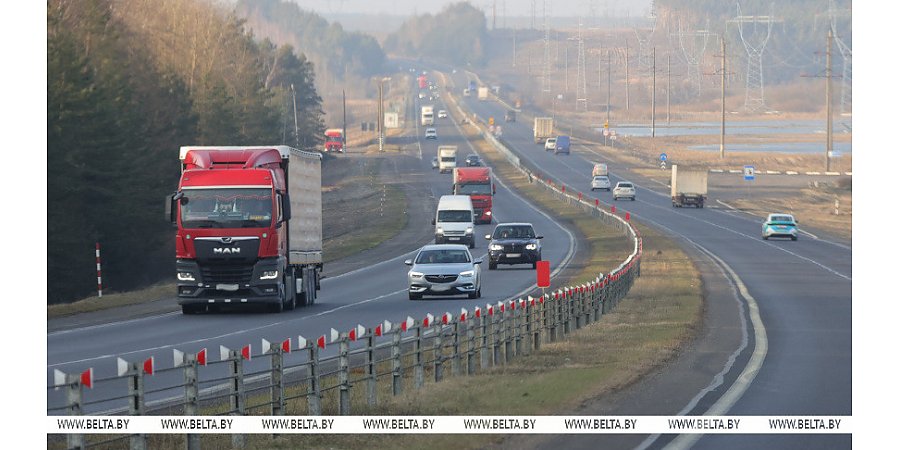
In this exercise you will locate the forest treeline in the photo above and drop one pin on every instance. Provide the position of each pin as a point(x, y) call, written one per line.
point(342, 58)
point(456, 35)
point(128, 83)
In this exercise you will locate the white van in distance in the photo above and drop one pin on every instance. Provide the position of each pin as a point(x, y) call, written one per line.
point(454, 221)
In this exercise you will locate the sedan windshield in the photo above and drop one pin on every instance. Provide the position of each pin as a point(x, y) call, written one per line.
point(443, 257)
point(226, 208)
point(786, 220)
point(514, 232)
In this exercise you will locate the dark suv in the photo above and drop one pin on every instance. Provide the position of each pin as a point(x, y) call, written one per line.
point(513, 243)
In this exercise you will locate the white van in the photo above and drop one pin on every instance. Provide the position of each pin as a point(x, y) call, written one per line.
point(454, 221)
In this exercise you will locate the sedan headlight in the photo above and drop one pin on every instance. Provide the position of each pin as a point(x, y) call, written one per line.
point(496, 247)
point(185, 276)
point(416, 274)
point(467, 274)
point(531, 246)
point(269, 275)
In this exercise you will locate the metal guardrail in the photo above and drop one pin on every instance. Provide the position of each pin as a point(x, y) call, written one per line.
point(368, 361)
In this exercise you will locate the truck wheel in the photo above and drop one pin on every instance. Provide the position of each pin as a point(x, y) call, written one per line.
point(290, 291)
point(472, 244)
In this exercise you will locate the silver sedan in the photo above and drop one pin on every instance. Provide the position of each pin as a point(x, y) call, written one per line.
point(444, 269)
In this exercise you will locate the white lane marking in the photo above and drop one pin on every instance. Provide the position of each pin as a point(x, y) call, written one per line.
point(747, 375)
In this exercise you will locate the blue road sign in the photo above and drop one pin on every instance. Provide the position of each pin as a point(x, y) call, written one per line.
point(663, 156)
point(749, 173)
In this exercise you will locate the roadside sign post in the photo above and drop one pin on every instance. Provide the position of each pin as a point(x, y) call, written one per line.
point(749, 176)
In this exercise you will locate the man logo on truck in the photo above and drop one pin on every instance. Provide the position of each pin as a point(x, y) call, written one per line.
point(226, 251)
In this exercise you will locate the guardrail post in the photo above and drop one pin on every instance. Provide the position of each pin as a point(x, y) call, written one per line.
point(538, 325)
point(396, 364)
point(517, 322)
point(554, 317)
point(529, 337)
point(191, 396)
point(136, 403)
point(277, 389)
point(604, 297)
point(344, 376)
point(237, 396)
point(470, 348)
point(371, 373)
point(482, 324)
point(420, 364)
point(313, 389)
point(507, 335)
point(455, 361)
point(579, 309)
point(495, 339)
point(74, 397)
point(438, 354)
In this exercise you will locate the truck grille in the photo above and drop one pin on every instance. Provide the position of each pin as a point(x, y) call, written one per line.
point(454, 233)
point(230, 273)
point(440, 278)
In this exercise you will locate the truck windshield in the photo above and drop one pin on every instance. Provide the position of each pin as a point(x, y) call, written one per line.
point(454, 216)
point(226, 208)
point(333, 139)
point(473, 189)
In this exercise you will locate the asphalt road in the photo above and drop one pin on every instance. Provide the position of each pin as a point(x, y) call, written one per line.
point(366, 295)
point(777, 335)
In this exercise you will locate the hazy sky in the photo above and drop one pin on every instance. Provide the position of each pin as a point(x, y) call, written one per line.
point(566, 8)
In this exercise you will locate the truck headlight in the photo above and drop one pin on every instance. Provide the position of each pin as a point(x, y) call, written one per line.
point(440, 230)
point(531, 247)
point(469, 230)
point(185, 276)
point(467, 274)
point(269, 275)
point(416, 274)
point(496, 247)
point(487, 213)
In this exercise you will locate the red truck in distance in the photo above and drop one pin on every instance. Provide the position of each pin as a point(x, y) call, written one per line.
point(423, 82)
point(249, 227)
point(334, 140)
point(477, 183)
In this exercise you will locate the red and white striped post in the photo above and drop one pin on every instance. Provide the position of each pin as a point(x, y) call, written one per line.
point(99, 278)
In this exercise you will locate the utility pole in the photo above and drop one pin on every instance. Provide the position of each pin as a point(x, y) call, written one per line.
point(626, 75)
point(514, 46)
point(828, 126)
point(722, 133)
point(344, 134)
point(653, 99)
point(608, 86)
point(668, 85)
point(567, 67)
point(296, 128)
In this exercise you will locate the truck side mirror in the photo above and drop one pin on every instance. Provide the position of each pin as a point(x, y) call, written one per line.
point(285, 207)
point(170, 206)
point(432, 221)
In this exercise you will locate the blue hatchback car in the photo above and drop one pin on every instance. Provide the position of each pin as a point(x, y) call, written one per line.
point(780, 225)
point(562, 145)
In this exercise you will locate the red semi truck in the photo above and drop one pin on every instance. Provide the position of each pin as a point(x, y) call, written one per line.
point(249, 227)
point(423, 82)
point(477, 183)
point(334, 140)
